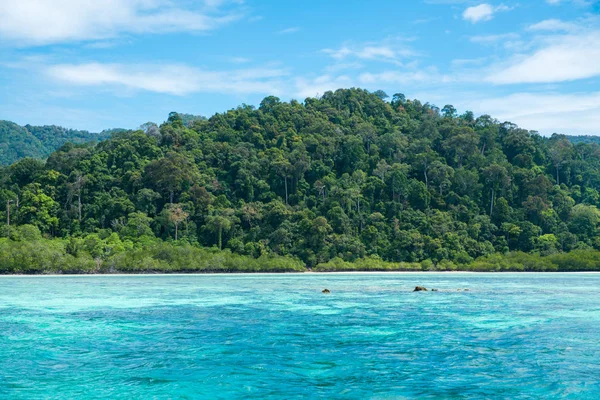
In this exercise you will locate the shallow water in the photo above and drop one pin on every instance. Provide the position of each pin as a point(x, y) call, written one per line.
point(513, 336)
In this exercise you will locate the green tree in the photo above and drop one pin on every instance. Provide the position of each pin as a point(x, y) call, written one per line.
point(38, 209)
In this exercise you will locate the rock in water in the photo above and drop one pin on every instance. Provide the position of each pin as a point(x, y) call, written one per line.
point(326, 291)
point(434, 290)
point(420, 289)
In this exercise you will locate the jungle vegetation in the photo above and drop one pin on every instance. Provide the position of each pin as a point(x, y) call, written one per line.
point(351, 180)
point(17, 142)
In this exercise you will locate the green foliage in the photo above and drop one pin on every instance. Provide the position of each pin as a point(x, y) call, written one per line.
point(17, 142)
point(344, 182)
point(366, 264)
point(190, 259)
point(95, 255)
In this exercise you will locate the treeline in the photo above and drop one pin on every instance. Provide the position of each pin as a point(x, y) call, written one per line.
point(25, 251)
point(351, 178)
point(574, 261)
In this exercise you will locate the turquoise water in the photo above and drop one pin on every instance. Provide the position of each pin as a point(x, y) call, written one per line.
point(513, 336)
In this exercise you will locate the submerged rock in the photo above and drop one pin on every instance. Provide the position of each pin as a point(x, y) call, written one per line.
point(420, 289)
point(326, 291)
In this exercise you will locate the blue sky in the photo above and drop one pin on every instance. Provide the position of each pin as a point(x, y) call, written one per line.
point(96, 64)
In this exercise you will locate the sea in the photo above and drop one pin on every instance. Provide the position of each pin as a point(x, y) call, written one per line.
point(270, 336)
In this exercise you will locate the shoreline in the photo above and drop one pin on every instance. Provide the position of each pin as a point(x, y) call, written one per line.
point(310, 273)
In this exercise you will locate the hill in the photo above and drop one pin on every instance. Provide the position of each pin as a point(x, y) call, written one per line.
point(17, 142)
point(584, 139)
point(327, 181)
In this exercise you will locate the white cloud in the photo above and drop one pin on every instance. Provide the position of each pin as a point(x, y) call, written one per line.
point(366, 52)
point(462, 62)
point(494, 38)
point(54, 21)
point(482, 12)
point(575, 113)
point(317, 86)
point(563, 58)
point(553, 25)
point(422, 76)
point(239, 60)
point(287, 31)
point(545, 112)
point(391, 50)
point(581, 3)
point(169, 79)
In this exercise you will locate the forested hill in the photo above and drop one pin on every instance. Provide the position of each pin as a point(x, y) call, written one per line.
point(347, 175)
point(17, 142)
point(584, 139)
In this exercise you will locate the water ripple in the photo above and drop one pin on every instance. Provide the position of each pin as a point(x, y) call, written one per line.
point(512, 336)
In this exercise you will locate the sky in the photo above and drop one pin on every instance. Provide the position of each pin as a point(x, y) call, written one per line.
point(98, 64)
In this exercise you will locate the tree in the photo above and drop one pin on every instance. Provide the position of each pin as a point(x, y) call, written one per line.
point(441, 175)
point(449, 111)
point(38, 209)
point(381, 94)
point(584, 220)
point(560, 150)
point(422, 161)
point(462, 145)
point(382, 169)
point(171, 174)
point(138, 225)
point(221, 221)
point(151, 129)
point(76, 188)
point(177, 215)
point(24, 171)
point(398, 100)
point(496, 178)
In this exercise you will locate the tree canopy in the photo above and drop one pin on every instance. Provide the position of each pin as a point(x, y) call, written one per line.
point(17, 142)
point(347, 176)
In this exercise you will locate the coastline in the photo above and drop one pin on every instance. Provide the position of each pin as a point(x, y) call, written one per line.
point(306, 273)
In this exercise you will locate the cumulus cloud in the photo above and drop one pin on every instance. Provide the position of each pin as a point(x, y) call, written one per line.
point(546, 112)
point(552, 25)
point(169, 79)
point(40, 22)
point(564, 58)
point(482, 12)
point(573, 113)
point(386, 51)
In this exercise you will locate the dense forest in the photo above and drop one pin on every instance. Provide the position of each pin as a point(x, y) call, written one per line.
point(351, 180)
point(17, 142)
point(584, 139)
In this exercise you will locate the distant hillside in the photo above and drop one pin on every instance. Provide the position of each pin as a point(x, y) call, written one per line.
point(587, 139)
point(17, 142)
